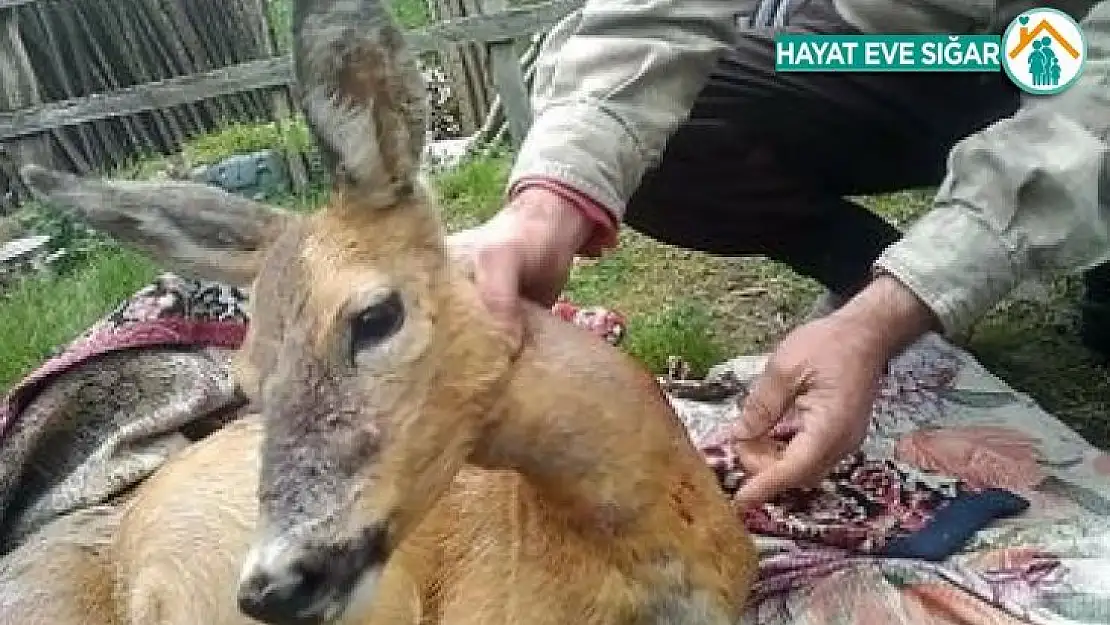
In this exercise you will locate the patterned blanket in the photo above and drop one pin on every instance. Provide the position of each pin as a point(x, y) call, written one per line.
point(874, 544)
point(967, 504)
point(108, 409)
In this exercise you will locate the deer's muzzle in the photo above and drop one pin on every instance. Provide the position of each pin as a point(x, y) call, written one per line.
point(287, 583)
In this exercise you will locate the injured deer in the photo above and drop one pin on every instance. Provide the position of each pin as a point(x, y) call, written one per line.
point(408, 462)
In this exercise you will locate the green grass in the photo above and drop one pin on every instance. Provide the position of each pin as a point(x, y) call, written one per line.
point(47, 311)
point(684, 329)
point(679, 303)
point(473, 192)
point(288, 136)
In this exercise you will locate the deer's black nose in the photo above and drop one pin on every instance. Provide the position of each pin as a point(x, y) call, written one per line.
point(307, 586)
point(293, 595)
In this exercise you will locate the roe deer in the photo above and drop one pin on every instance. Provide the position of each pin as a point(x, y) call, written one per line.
point(409, 463)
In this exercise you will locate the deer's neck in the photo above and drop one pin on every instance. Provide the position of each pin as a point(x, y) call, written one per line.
point(596, 438)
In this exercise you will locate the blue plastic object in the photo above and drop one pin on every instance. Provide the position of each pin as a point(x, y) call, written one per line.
point(257, 175)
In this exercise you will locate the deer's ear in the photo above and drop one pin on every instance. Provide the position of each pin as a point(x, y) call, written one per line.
point(193, 229)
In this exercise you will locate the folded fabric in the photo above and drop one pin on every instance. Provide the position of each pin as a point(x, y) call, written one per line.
point(873, 506)
point(169, 311)
point(608, 324)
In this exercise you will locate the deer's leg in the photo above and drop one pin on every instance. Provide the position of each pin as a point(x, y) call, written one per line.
point(62, 574)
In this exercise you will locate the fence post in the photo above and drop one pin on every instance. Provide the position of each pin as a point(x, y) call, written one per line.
point(508, 78)
point(283, 101)
point(19, 89)
point(466, 65)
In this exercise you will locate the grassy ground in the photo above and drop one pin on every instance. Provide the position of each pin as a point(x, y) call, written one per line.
point(680, 303)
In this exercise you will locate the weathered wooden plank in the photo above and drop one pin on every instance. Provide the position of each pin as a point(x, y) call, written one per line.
point(272, 72)
point(246, 21)
point(22, 248)
point(477, 64)
point(75, 155)
point(211, 27)
point(508, 78)
point(466, 66)
point(98, 72)
point(163, 41)
point(191, 41)
point(281, 101)
point(136, 62)
point(495, 117)
point(19, 90)
point(70, 73)
point(265, 73)
point(508, 24)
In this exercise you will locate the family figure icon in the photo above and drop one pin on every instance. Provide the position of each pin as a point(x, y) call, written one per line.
point(1044, 67)
point(1045, 51)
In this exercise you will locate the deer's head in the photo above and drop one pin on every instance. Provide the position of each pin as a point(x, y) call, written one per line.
point(367, 354)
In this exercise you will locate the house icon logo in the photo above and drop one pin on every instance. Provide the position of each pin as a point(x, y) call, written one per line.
point(1044, 51)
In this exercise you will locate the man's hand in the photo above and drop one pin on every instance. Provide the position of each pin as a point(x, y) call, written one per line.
point(526, 250)
point(827, 371)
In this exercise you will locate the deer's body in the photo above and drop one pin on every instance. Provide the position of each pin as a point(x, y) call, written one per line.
point(494, 549)
point(64, 573)
point(410, 461)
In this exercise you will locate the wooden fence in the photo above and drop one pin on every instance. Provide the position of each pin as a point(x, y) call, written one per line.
point(24, 130)
point(61, 50)
point(465, 66)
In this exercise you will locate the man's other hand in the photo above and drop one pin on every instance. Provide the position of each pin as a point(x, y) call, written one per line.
point(828, 371)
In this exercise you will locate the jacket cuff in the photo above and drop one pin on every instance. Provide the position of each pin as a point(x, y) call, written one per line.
point(584, 148)
point(604, 234)
point(955, 264)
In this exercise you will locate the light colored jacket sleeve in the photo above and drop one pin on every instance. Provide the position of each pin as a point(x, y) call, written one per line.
point(1024, 199)
point(613, 82)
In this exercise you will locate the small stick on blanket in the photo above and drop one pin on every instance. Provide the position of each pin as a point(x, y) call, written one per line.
point(678, 383)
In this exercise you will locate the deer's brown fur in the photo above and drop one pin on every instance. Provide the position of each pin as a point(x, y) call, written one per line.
point(408, 462)
point(63, 574)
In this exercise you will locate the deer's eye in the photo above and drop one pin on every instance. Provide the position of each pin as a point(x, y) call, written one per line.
point(377, 323)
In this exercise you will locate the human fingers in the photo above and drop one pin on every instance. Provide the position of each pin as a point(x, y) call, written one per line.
point(757, 454)
point(832, 431)
point(805, 460)
point(768, 399)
